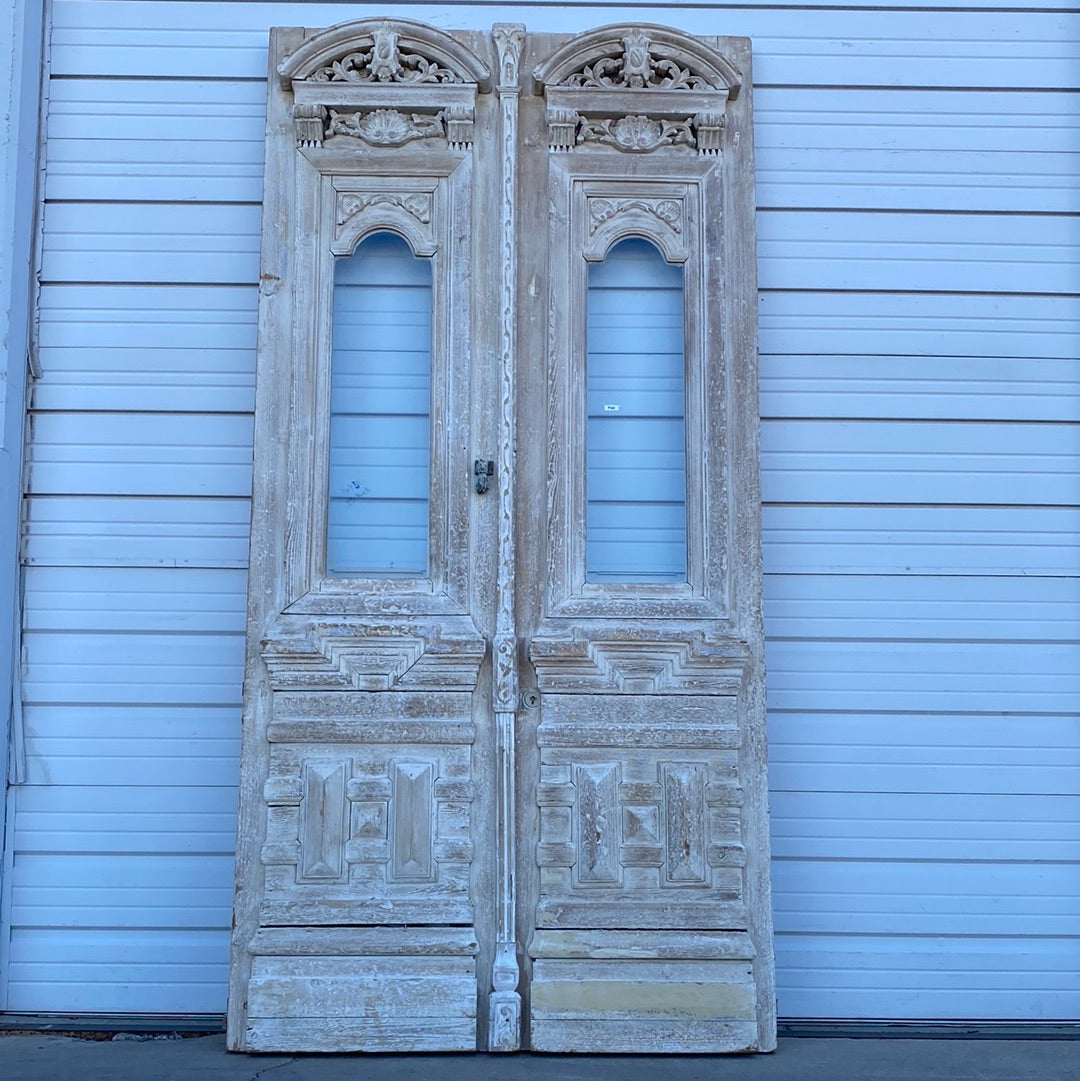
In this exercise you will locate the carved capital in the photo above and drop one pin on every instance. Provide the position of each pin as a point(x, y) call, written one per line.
point(509, 40)
point(562, 128)
point(459, 126)
point(709, 128)
point(310, 124)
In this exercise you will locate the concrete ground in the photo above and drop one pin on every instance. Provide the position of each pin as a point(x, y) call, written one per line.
point(204, 1058)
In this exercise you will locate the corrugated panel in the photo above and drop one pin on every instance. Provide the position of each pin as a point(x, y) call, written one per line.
point(905, 540)
point(921, 388)
point(140, 454)
point(837, 148)
point(177, 971)
point(147, 347)
point(821, 47)
point(919, 324)
point(921, 594)
point(103, 531)
point(928, 976)
point(797, 250)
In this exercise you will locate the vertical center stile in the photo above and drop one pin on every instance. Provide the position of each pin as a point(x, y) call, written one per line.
point(504, 1029)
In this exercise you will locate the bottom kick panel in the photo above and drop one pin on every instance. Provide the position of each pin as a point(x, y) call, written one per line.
point(649, 1006)
point(362, 1003)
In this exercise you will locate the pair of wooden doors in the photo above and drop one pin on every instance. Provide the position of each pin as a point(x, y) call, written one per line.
point(503, 763)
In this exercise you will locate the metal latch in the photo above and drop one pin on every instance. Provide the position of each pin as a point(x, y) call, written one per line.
point(482, 470)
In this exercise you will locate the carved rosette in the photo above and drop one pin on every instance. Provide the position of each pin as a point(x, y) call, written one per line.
point(384, 83)
point(636, 90)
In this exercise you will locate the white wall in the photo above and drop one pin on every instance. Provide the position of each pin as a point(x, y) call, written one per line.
point(919, 227)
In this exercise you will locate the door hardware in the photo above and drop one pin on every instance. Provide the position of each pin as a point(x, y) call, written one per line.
point(530, 698)
point(482, 470)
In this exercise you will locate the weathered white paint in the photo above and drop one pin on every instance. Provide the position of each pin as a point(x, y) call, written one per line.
point(380, 785)
point(966, 117)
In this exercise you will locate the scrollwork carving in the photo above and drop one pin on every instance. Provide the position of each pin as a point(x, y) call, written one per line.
point(386, 127)
point(667, 211)
point(384, 61)
point(418, 204)
point(637, 134)
point(641, 66)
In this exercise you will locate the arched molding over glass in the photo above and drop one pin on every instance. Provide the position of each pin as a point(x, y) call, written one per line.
point(636, 417)
point(379, 471)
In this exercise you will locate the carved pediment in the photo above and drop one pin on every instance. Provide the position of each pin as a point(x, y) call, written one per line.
point(384, 51)
point(637, 89)
point(385, 83)
point(638, 58)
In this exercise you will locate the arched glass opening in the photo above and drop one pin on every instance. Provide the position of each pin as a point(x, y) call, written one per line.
point(380, 412)
point(636, 429)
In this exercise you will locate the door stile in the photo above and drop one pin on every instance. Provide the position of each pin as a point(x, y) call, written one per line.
point(504, 1022)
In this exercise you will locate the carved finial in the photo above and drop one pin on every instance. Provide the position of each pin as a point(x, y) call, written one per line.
point(385, 67)
point(637, 67)
point(509, 40)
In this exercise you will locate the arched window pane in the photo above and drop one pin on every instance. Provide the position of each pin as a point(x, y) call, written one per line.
point(380, 412)
point(636, 435)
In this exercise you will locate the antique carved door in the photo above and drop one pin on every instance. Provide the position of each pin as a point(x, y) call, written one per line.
point(503, 762)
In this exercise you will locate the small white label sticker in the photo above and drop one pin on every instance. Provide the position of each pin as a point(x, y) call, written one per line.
point(611, 407)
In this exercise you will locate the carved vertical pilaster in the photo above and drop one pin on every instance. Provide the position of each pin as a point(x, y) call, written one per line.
point(504, 1031)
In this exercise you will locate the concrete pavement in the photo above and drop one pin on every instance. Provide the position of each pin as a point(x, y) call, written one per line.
point(204, 1058)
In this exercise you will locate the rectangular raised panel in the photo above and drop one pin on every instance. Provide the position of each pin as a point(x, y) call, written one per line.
point(322, 822)
point(597, 848)
point(375, 1002)
point(631, 1005)
point(413, 809)
point(382, 835)
point(684, 822)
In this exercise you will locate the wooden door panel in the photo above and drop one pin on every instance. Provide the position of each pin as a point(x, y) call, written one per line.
point(428, 858)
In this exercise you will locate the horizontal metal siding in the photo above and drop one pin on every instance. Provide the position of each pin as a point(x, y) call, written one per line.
point(919, 335)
